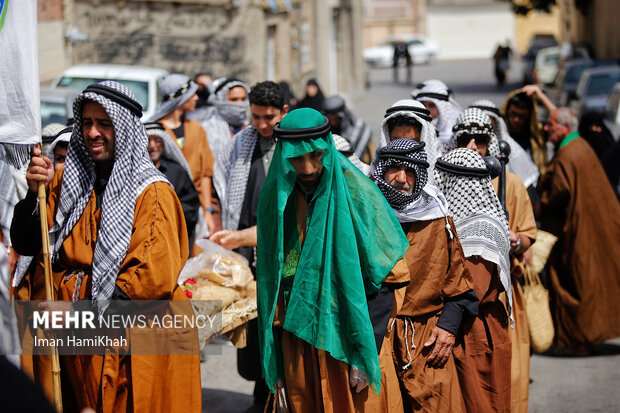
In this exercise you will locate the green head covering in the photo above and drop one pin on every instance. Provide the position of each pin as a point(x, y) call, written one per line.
point(352, 242)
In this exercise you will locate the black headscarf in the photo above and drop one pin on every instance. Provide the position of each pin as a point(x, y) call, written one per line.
point(599, 141)
point(315, 102)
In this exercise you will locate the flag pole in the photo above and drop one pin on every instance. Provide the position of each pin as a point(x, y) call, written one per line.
point(47, 266)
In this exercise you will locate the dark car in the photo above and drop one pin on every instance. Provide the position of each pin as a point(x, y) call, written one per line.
point(540, 41)
point(565, 83)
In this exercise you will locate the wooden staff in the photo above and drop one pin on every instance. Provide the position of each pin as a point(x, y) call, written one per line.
point(49, 296)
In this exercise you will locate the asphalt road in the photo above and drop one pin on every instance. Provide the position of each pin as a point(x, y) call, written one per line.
point(559, 384)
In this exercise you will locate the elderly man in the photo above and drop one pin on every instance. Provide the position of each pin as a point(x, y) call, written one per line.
point(483, 356)
point(179, 97)
point(117, 233)
point(443, 108)
point(440, 296)
point(327, 239)
point(474, 131)
point(579, 206)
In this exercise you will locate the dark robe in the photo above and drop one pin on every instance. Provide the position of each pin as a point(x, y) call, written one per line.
point(581, 209)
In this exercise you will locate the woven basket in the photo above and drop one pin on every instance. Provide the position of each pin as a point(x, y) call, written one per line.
point(539, 318)
point(541, 249)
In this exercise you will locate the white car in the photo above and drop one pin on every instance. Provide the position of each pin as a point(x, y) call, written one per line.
point(612, 112)
point(420, 48)
point(142, 81)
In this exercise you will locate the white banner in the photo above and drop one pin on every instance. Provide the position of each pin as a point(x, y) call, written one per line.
point(20, 107)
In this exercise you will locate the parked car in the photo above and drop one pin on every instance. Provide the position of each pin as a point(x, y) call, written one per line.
point(57, 106)
point(540, 41)
point(612, 111)
point(546, 65)
point(565, 83)
point(594, 88)
point(420, 48)
point(142, 81)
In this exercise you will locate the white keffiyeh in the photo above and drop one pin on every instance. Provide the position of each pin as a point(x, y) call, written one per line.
point(480, 221)
point(437, 92)
point(519, 162)
point(428, 134)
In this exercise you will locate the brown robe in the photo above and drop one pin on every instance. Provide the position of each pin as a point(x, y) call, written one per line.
point(521, 221)
point(483, 354)
point(157, 252)
point(580, 208)
point(316, 382)
point(435, 268)
point(196, 151)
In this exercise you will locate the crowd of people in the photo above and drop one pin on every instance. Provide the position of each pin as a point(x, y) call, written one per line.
point(389, 271)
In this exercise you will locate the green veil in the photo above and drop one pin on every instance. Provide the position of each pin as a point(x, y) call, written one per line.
point(352, 242)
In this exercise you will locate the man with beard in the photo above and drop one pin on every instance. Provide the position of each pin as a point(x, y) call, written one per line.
point(249, 161)
point(474, 131)
point(483, 356)
point(327, 240)
point(118, 233)
point(179, 97)
point(579, 207)
point(439, 297)
point(169, 160)
point(352, 128)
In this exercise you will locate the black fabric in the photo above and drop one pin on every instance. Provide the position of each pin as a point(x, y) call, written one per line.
point(380, 309)
point(315, 102)
point(114, 95)
point(101, 181)
point(599, 141)
point(26, 227)
point(457, 309)
point(611, 166)
point(180, 132)
point(186, 192)
point(18, 393)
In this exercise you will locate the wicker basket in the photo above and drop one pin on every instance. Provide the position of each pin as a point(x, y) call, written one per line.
point(539, 318)
point(541, 249)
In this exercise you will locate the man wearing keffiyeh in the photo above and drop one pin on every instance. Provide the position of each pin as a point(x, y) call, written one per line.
point(322, 260)
point(444, 109)
point(483, 355)
point(118, 232)
point(439, 295)
point(472, 125)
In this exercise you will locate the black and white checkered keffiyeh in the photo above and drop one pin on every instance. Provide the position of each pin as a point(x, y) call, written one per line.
point(480, 221)
point(437, 92)
point(519, 163)
point(133, 171)
point(473, 121)
point(428, 134)
point(240, 161)
point(387, 156)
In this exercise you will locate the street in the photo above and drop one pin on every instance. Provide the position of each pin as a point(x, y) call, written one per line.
point(559, 384)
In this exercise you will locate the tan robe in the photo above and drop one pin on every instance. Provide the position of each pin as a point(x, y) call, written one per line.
point(581, 209)
point(521, 221)
point(196, 151)
point(484, 354)
point(157, 252)
point(316, 382)
point(435, 269)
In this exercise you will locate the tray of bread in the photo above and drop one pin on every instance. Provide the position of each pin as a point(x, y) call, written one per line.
point(220, 285)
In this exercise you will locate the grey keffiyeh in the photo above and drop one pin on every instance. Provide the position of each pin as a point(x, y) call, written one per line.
point(519, 163)
point(473, 121)
point(437, 92)
point(416, 111)
point(171, 150)
point(344, 147)
point(133, 171)
point(481, 225)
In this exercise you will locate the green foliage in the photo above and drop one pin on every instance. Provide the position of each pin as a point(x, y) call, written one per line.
point(523, 8)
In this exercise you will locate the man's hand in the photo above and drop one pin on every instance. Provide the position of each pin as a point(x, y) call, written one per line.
point(472, 144)
point(358, 380)
point(536, 92)
point(40, 169)
point(227, 238)
point(443, 343)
